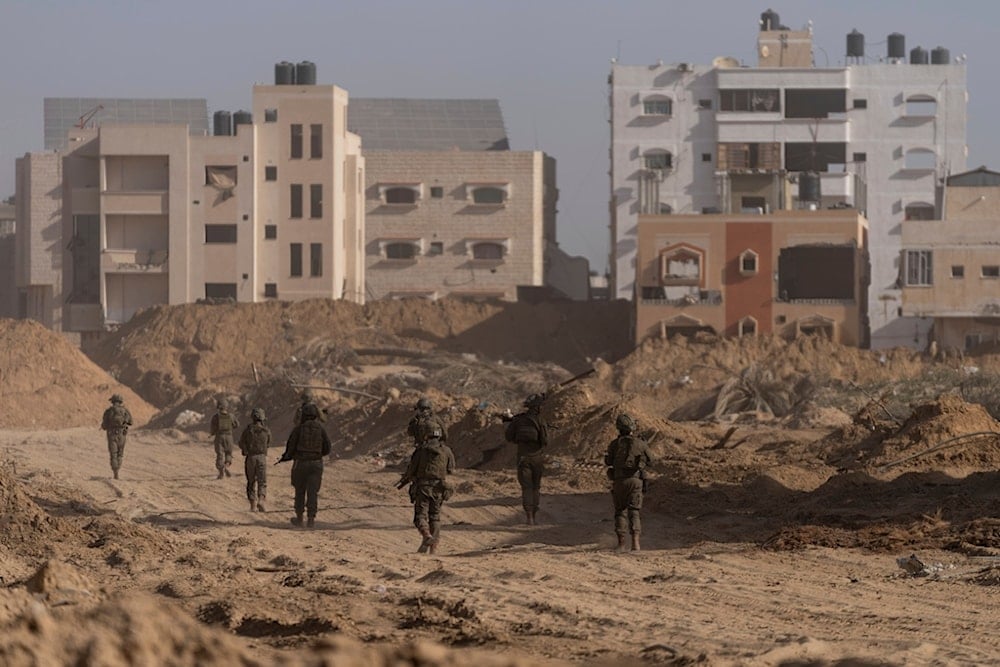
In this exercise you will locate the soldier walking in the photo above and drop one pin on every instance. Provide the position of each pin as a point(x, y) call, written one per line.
point(116, 421)
point(254, 441)
point(308, 398)
point(424, 418)
point(530, 433)
point(627, 458)
point(307, 445)
point(222, 427)
point(430, 464)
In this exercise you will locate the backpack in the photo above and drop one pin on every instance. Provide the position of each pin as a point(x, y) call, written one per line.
point(433, 462)
point(522, 429)
point(118, 417)
point(625, 462)
point(225, 424)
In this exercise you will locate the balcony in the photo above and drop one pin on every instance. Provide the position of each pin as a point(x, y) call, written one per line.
point(133, 261)
point(654, 296)
point(136, 202)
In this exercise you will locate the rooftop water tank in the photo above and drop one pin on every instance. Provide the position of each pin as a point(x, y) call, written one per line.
point(242, 118)
point(284, 73)
point(940, 56)
point(855, 44)
point(809, 188)
point(305, 73)
point(897, 46)
point(769, 20)
point(222, 124)
point(918, 56)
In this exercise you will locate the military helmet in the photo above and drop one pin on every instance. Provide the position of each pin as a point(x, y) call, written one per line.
point(220, 403)
point(310, 411)
point(424, 404)
point(534, 401)
point(257, 414)
point(434, 431)
point(117, 398)
point(625, 423)
point(307, 396)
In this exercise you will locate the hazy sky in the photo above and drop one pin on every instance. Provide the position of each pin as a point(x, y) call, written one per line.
point(547, 61)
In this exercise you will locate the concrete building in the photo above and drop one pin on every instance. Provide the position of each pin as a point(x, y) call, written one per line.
point(451, 210)
point(950, 267)
point(880, 131)
point(789, 272)
point(8, 290)
point(132, 215)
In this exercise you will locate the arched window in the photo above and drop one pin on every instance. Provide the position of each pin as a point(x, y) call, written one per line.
point(487, 250)
point(748, 262)
point(747, 327)
point(919, 211)
point(400, 196)
point(488, 195)
point(658, 159)
point(657, 105)
point(681, 265)
point(921, 106)
point(400, 250)
point(920, 158)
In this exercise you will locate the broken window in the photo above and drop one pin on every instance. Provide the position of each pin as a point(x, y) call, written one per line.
point(814, 102)
point(750, 99)
point(680, 266)
point(222, 179)
point(919, 267)
point(816, 272)
point(734, 155)
point(814, 155)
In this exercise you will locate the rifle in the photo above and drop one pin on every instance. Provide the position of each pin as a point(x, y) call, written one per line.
point(507, 415)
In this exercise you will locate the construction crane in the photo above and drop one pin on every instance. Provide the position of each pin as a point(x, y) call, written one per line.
point(85, 118)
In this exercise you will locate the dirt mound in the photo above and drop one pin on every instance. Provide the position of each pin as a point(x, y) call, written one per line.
point(45, 382)
point(26, 528)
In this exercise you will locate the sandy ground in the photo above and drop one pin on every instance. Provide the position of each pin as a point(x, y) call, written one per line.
point(556, 591)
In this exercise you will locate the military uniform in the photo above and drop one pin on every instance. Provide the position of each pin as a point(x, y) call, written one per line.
point(254, 441)
point(627, 457)
point(116, 421)
point(307, 399)
point(530, 432)
point(420, 425)
point(222, 427)
point(430, 464)
point(306, 447)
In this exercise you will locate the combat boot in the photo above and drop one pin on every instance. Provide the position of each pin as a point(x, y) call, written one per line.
point(226, 470)
point(621, 542)
point(425, 544)
point(529, 517)
point(219, 476)
point(635, 541)
point(116, 474)
point(311, 522)
point(253, 504)
point(296, 520)
point(260, 505)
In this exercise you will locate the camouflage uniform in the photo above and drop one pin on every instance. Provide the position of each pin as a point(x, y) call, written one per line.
point(254, 441)
point(307, 399)
point(306, 447)
point(627, 457)
point(430, 464)
point(116, 421)
point(420, 425)
point(530, 432)
point(222, 427)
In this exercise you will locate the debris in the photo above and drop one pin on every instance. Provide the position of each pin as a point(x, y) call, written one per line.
point(915, 567)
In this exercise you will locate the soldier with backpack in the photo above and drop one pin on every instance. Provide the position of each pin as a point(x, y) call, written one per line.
point(116, 421)
point(430, 464)
point(222, 427)
point(531, 434)
point(254, 441)
point(421, 422)
point(307, 444)
point(627, 458)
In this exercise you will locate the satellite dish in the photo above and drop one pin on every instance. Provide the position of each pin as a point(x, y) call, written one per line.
point(725, 62)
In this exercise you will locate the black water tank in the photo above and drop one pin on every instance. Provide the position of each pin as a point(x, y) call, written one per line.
point(855, 44)
point(940, 56)
point(897, 46)
point(222, 124)
point(242, 118)
point(809, 188)
point(769, 20)
point(284, 73)
point(918, 56)
point(305, 73)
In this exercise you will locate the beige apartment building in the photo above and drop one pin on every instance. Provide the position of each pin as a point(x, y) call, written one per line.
point(789, 272)
point(128, 216)
point(8, 294)
point(950, 268)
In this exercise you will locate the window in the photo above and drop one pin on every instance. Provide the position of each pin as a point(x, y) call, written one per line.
point(734, 155)
point(860, 103)
point(270, 231)
point(296, 142)
point(921, 106)
point(491, 251)
point(271, 290)
point(665, 209)
point(223, 178)
point(296, 260)
point(657, 159)
point(747, 327)
point(706, 157)
point(681, 265)
point(401, 196)
point(814, 102)
point(814, 156)
point(316, 141)
point(220, 233)
point(919, 211)
point(315, 259)
point(657, 106)
point(295, 191)
point(270, 173)
point(748, 262)
point(316, 200)
point(918, 267)
point(220, 291)
point(974, 340)
point(990, 271)
point(765, 99)
point(400, 250)
point(488, 195)
point(437, 248)
point(704, 104)
point(957, 271)
point(859, 157)
point(919, 158)
point(437, 192)
point(270, 115)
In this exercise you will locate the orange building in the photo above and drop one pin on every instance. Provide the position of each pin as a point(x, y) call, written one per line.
point(789, 272)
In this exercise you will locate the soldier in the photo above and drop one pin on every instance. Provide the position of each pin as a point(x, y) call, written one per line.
point(222, 427)
point(306, 446)
point(116, 421)
point(531, 434)
point(254, 441)
point(422, 420)
point(308, 399)
point(627, 458)
point(430, 464)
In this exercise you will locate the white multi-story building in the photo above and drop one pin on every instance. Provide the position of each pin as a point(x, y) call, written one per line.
point(879, 132)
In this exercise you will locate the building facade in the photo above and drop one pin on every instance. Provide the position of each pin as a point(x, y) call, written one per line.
point(133, 215)
point(950, 267)
point(789, 273)
point(8, 276)
point(694, 139)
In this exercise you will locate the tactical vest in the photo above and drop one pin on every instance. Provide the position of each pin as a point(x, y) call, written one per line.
point(626, 463)
point(310, 446)
point(225, 423)
point(433, 462)
point(523, 429)
point(259, 437)
point(117, 417)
